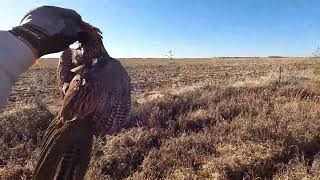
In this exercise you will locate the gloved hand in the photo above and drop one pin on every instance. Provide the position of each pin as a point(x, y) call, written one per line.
point(50, 29)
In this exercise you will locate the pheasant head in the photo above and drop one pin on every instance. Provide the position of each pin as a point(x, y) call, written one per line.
point(92, 48)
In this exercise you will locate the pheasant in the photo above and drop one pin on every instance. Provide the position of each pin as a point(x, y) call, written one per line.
point(95, 104)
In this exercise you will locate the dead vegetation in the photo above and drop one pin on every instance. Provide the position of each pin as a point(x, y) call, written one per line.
point(229, 119)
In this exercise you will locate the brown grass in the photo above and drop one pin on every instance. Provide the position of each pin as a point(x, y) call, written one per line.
point(192, 119)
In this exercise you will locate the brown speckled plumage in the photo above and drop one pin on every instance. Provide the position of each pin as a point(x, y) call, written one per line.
point(104, 92)
point(96, 103)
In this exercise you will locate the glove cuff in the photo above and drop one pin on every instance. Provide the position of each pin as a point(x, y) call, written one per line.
point(31, 35)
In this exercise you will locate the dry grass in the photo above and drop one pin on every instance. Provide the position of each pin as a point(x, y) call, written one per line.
point(193, 119)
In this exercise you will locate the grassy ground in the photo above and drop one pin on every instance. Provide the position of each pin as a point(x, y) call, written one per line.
point(191, 119)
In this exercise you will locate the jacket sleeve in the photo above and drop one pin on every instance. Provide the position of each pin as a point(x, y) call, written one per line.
point(15, 58)
point(5, 88)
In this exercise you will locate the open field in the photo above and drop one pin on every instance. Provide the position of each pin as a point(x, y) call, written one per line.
point(193, 119)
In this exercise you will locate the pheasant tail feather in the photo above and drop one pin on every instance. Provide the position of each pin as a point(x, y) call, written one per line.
point(66, 152)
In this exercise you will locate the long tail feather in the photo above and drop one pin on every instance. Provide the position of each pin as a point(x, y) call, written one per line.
point(66, 153)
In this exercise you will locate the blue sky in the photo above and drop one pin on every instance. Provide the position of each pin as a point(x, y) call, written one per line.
point(192, 28)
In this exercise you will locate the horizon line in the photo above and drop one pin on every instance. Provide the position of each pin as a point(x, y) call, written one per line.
point(203, 57)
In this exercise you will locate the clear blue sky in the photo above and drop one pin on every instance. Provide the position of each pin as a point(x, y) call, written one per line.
point(193, 28)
